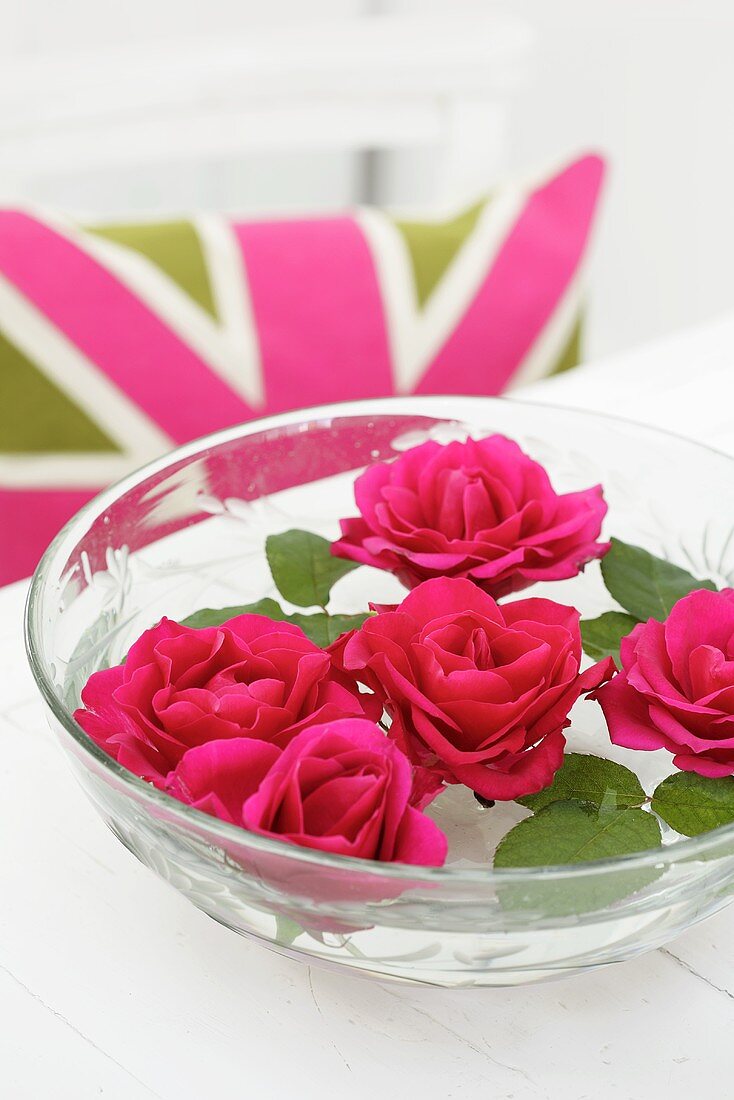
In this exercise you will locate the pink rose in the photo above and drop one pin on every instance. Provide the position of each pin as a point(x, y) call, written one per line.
point(342, 787)
point(181, 687)
point(676, 688)
point(478, 693)
point(481, 509)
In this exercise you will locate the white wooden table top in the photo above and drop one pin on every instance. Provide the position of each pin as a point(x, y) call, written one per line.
point(113, 985)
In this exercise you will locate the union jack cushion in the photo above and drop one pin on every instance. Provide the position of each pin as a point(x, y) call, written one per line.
point(120, 341)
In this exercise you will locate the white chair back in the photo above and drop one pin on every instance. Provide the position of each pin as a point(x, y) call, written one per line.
point(383, 107)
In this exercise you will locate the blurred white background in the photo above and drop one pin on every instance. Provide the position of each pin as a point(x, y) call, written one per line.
point(164, 105)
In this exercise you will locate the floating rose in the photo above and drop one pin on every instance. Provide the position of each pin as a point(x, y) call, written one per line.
point(478, 694)
point(480, 509)
point(342, 787)
point(219, 776)
point(676, 689)
point(181, 687)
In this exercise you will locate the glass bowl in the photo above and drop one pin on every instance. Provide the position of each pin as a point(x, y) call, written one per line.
point(187, 532)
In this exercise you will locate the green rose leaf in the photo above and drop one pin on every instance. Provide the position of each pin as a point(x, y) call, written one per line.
point(215, 616)
point(692, 804)
point(589, 779)
point(286, 930)
point(575, 832)
point(321, 628)
point(303, 567)
point(601, 637)
point(645, 585)
point(324, 629)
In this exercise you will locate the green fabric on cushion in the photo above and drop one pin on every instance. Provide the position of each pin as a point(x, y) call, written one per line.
point(571, 355)
point(36, 417)
point(172, 246)
point(433, 245)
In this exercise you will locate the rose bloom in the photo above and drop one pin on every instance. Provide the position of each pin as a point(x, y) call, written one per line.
point(181, 687)
point(478, 693)
point(480, 509)
point(342, 787)
point(676, 688)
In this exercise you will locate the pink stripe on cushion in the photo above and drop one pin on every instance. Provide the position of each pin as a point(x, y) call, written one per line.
point(522, 288)
point(116, 330)
point(318, 309)
point(29, 519)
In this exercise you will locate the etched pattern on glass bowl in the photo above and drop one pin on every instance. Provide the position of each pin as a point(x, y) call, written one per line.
point(188, 532)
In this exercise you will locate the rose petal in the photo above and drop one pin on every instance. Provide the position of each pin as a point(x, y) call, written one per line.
point(218, 777)
point(531, 772)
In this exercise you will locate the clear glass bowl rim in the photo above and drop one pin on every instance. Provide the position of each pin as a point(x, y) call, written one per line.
point(441, 407)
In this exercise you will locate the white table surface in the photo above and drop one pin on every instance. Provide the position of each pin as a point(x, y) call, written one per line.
point(113, 985)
